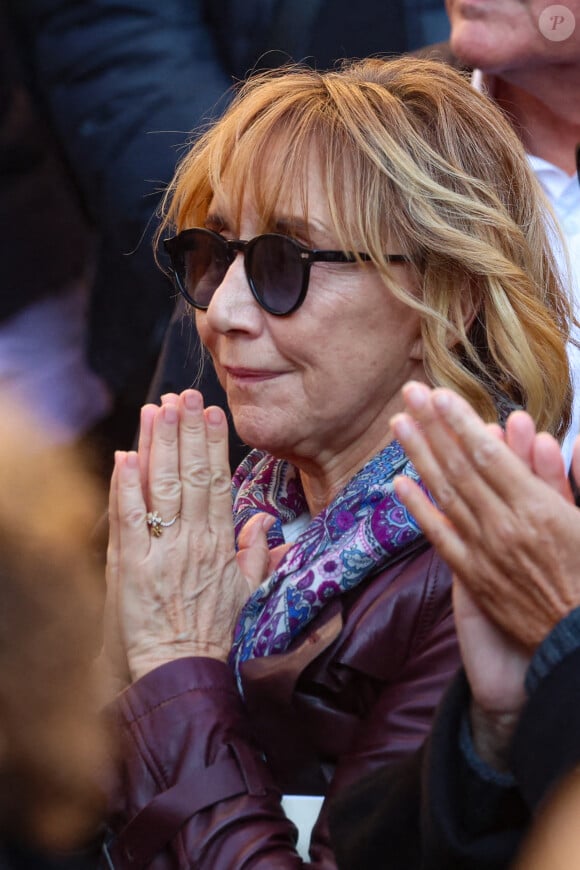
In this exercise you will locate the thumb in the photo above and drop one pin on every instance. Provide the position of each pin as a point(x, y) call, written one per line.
point(253, 555)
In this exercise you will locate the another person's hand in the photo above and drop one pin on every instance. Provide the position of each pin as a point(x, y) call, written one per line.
point(510, 537)
point(495, 665)
point(506, 521)
point(178, 594)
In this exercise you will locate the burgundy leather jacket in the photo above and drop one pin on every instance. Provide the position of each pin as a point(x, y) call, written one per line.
point(201, 770)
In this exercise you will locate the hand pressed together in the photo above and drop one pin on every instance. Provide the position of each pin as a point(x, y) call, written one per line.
point(178, 594)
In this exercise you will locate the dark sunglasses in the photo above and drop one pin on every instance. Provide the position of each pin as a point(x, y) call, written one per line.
point(277, 267)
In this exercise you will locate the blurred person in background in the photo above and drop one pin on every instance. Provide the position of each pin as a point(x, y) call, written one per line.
point(46, 249)
point(123, 85)
point(52, 745)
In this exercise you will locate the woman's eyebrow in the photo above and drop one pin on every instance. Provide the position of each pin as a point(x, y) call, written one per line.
point(215, 221)
point(296, 225)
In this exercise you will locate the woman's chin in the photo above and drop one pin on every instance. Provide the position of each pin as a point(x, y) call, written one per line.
point(261, 436)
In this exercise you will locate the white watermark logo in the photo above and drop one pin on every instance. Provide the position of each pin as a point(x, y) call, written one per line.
point(557, 23)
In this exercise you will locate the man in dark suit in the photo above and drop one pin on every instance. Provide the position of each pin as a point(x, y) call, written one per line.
point(124, 85)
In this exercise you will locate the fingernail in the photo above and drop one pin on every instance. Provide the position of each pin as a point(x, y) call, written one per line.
point(132, 459)
point(214, 416)
point(401, 485)
point(441, 400)
point(402, 426)
point(170, 414)
point(268, 522)
point(193, 400)
point(415, 395)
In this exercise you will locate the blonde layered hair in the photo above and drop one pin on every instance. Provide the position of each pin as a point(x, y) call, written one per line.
point(414, 161)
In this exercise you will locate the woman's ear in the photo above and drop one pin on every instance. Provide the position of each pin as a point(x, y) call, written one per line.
point(416, 352)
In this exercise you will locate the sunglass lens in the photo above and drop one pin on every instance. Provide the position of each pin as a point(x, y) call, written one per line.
point(277, 272)
point(202, 264)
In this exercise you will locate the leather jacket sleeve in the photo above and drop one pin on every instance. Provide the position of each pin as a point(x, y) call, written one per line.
point(192, 775)
point(194, 788)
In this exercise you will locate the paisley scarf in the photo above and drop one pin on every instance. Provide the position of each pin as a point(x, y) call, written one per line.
point(358, 534)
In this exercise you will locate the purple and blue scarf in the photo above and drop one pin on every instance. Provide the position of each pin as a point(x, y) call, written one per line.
point(358, 534)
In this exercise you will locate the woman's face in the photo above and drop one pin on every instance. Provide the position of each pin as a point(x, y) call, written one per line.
point(320, 385)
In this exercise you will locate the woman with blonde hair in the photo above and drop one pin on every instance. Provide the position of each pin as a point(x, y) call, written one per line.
point(336, 234)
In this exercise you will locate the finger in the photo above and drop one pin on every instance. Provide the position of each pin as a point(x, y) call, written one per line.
point(255, 530)
point(496, 431)
point(220, 497)
point(276, 555)
point(194, 462)
point(459, 488)
point(435, 525)
point(492, 461)
point(520, 434)
point(576, 461)
point(148, 413)
point(113, 544)
point(113, 654)
point(134, 538)
point(419, 447)
point(112, 569)
point(548, 464)
point(164, 479)
point(253, 554)
point(170, 399)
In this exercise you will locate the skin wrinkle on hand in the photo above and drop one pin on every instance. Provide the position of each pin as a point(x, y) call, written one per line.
point(507, 564)
point(523, 528)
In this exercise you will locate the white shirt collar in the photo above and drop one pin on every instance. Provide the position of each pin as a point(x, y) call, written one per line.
point(550, 175)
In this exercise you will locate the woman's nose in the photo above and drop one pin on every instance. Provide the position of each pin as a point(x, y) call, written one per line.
point(233, 306)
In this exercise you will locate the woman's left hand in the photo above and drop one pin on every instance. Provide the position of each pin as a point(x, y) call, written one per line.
point(178, 594)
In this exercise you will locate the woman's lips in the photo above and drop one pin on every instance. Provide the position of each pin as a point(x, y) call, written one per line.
point(248, 376)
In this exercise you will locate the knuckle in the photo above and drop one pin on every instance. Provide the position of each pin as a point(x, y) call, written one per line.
point(455, 466)
point(199, 476)
point(506, 533)
point(438, 536)
point(134, 517)
point(485, 454)
point(220, 482)
point(166, 488)
point(446, 496)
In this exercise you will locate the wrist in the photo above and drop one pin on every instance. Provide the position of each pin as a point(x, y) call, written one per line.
point(492, 735)
point(143, 662)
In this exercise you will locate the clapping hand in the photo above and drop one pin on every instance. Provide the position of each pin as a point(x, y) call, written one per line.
point(506, 524)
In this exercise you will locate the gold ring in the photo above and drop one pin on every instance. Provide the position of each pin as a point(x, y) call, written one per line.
point(156, 524)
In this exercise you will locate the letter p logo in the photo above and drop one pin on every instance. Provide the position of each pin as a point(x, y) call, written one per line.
point(557, 23)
